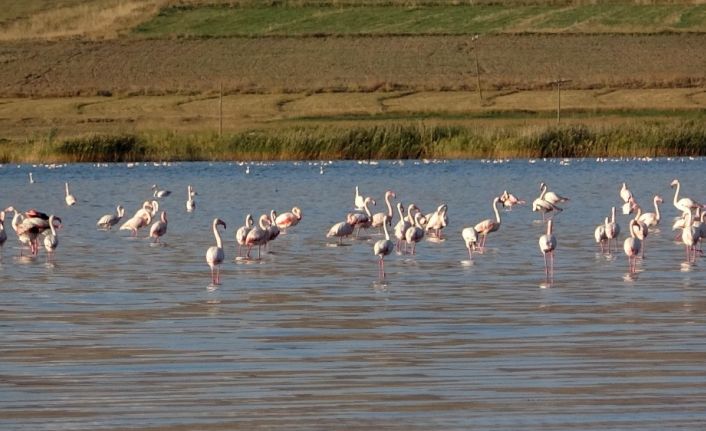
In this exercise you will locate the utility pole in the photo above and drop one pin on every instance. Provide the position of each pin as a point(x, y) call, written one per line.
point(220, 110)
point(475, 54)
point(558, 83)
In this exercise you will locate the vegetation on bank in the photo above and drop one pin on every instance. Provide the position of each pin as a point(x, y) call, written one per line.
point(373, 142)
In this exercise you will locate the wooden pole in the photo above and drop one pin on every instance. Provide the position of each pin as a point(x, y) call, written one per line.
point(558, 102)
point(480, 90)
point(220, 110)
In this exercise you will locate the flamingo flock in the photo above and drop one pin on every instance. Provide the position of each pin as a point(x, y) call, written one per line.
point(403, 235)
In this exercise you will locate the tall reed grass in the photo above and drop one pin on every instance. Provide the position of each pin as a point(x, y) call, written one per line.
point(401, 141)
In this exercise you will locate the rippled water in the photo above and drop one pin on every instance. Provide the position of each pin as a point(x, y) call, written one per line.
point(116, 333)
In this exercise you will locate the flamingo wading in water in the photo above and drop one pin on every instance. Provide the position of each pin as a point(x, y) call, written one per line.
point(69, 198)
point(383, 248)
point(487, 226)
point(215, 254)
point(159, 228)
point(632, 246)
point(109, 220)
point(547, 245)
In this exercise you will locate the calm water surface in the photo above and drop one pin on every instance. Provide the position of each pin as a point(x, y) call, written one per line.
point(120, 334)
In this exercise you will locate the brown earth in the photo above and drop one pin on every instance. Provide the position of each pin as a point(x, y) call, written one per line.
point(348, 64)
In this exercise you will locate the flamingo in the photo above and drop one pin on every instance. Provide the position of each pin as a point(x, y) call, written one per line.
point(487, 226)
point(415, 233)
point(272, 229)
point(109, 220)
point(547, 245)
point(258, 235)
point(509, 200)
point(51, 241)
point(683, 204)
point(70, 199)
point(600, 234)
point(470, 238)
point(641, 231)
point(215, 254)
point(29, 226)
point(612, 230)
point(25, 237)
point(190, 202)
point(142, 218)
point(242, 232)
point(625, 193)
point(632, 246)
point(160, 193)
point(159, 228)
point(552, 197)
point(289, 219)
point(31, 179)
point(544, 206)
point(342, 229)
point(363, 220)
point(690, 237)
point(652, 219)
point(383, 247)
point(401, 227)
point(629, 206)
point(437, 220)
point(382, 217)
point(359, 201)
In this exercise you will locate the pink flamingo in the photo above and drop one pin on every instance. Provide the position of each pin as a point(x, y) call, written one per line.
point(215, 254)
point(342, 229)
point(159, 228)
point(600, 235)
point(612, 230)
point(242, 232)
point(379, 218)
point(470, 238)
point(289, 219)
point(509, 200)
point(258, 235)
point(415, 233)
point(383, 248)
point(652, 219)
point(632, 246)
point(487, 226)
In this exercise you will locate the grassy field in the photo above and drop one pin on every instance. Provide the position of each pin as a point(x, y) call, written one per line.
point(140, 79)
point(617, 17)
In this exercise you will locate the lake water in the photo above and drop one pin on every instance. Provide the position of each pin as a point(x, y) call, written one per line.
point(116, 333)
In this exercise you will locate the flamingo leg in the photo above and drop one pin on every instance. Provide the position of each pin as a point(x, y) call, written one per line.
point(546, 266)
point(470, 255)
point(552, 263)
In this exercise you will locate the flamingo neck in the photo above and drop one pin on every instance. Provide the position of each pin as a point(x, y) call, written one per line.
point(676, 193)
point(51, 225)
point(399, 210)
point(219, 243)
point(389, 205)
point(657, 209)
point(384, 227)
point(367, 210)
point(549, 228)
point(495, 208)
point(612, 215)
point(67, 188)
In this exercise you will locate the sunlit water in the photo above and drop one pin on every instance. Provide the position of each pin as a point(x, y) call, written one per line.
point(116, 333)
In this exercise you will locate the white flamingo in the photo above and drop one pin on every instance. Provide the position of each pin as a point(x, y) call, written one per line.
point(612, 230)
point(190, 202)
point(632, 246)
point(142, 218)
point(342, 229)
point(3, 234)
point(690, 237)
point(51, 240)
point(552, 197)
point(160, 193)
point(359, 201)
point(625, 193)
point(242, 232)
point(488, 226)
point(415, 233)
point(272, 229)
point(401, 227)
point(544, 206)
point(31, 179)
point(28, 226)
point(159, 228)
point(69, 198)
point(652, 219)
point(215, 254)
point(600, 235)
point(437, 220)
point(547, 245)
point(383, 247)
point(470, 238)
point(109, 220)
point(683, 204)
point(641, 231)
point(289, 219)
point(258, 235)
point(385, 217)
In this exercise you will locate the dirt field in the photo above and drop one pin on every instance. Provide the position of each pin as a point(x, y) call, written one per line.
point(335, 64)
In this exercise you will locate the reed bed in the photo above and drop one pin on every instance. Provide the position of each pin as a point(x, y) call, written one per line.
point(402, 141)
